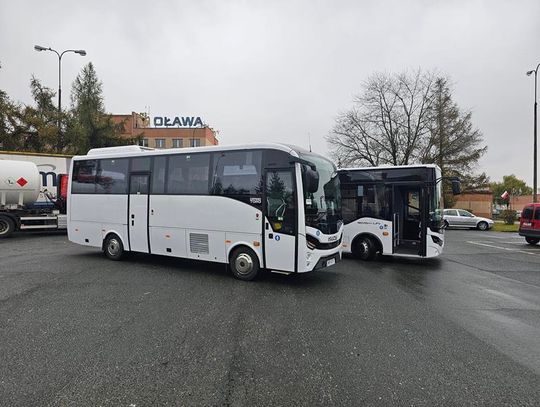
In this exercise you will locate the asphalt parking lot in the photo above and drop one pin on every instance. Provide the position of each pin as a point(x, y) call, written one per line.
point(77, 329)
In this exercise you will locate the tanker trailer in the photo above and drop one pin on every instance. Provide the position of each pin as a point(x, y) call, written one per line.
point(20, 187)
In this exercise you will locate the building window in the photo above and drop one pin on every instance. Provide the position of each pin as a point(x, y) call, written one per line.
point(177, 143)
point(160, 143)
point(143, 142)
point(195, 142)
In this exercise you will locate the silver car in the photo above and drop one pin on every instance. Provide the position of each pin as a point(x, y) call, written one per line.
point(460, 218)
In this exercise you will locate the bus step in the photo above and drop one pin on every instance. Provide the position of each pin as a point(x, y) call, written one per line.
point(281, 272)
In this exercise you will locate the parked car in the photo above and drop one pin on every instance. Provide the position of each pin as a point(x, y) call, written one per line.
point(460, 218)
point(529, 224)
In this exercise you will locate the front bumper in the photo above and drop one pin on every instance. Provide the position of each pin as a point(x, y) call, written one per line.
point(323, 261)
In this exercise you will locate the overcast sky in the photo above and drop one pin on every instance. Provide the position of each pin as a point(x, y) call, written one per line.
point(281, 71)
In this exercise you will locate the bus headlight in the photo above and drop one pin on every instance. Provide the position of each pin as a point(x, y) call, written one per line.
point(437, 240)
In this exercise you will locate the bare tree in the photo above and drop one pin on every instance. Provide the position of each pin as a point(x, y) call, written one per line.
point(388, 121)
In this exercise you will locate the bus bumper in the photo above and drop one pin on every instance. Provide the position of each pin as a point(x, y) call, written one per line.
point(327, 261)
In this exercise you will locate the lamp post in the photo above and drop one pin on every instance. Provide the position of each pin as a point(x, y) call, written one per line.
point(535, 186)
point(81, 52)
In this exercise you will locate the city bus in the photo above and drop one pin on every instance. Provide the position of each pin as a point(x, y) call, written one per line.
point(260, 206)
point(393, 211)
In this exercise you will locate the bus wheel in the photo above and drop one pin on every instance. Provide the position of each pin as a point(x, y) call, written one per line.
point(244, 264)
point(532, 240)
point(364, 248)
point(7, 226)
point(113, 247)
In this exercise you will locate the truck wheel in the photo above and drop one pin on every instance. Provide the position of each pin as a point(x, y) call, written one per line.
point(532, 240)
point(244, 264)
point(113, 247)
point(7, 226)
point(364, 248)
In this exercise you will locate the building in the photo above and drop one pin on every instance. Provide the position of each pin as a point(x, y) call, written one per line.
point(167, 132)
point(478, 202)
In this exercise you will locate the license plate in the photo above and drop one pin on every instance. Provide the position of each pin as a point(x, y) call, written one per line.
point(330, 262)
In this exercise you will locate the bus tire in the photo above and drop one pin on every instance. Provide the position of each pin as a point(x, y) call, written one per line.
point(364, 248)
point(113, 247)
point(244, 264)
point(532, 240)
point(7, 226)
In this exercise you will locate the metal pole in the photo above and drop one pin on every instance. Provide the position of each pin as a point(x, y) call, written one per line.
point(60, 85)
point(535, 174)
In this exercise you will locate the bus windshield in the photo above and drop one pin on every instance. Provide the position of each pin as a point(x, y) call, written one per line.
point(323, 207)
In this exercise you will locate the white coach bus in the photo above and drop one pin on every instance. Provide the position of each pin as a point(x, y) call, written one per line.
point(393, 210)
point(270, 206)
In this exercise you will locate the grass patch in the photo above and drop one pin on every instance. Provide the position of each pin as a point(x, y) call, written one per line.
point(503, 227)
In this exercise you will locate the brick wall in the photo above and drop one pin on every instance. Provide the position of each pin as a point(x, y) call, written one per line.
point(481, 203)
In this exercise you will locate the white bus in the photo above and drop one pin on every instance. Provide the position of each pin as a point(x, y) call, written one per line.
point(393, 211)
point(269, 206)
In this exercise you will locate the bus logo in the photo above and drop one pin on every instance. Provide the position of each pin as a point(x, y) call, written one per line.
point(277, 238)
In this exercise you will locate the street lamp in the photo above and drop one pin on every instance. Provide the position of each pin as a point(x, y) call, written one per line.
point(535, 189)
point(81, 52)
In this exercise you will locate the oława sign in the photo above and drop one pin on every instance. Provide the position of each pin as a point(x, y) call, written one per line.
point(178, 121)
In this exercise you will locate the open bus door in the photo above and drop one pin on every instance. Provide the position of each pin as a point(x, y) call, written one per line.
point(409, 216)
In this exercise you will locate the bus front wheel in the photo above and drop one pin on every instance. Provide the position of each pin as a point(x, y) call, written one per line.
point(364, 248)
point(244, 264)
point(113, 247)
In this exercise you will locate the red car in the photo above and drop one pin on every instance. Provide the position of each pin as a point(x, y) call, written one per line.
point(529, 223)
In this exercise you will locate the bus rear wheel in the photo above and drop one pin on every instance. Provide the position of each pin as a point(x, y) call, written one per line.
point(244, 264)
point(532, 240)
point(7, 226)
point(113, 247)
point(364, 248)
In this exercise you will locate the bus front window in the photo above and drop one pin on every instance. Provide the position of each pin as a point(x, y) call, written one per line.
point(323, 207)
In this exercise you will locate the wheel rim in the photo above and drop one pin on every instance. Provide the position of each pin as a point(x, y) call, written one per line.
point(4, 226)
point(113, 247)
point(363, 248)
point(243, 264)
point(483, 226)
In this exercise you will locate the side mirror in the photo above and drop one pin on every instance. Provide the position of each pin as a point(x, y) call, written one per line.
point(310, 179)
point(456, 187)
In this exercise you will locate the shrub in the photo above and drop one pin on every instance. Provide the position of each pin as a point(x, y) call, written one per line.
point(508, 216)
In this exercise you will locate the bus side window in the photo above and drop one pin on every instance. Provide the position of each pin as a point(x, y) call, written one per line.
point(237, 173)
point(84, 177)
point(158, 175)
point(112, 176)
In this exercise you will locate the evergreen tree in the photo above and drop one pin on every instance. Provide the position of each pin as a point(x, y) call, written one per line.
point(90, 125)
point(453, 143)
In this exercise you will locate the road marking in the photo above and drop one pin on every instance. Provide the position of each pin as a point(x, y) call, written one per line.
point(503, 248)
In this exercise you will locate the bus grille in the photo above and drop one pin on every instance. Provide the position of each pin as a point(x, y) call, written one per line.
point(198, 243)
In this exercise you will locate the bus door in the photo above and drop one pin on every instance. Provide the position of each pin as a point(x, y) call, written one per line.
point(280, 223)
point(138, 212)
point(409, 225)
